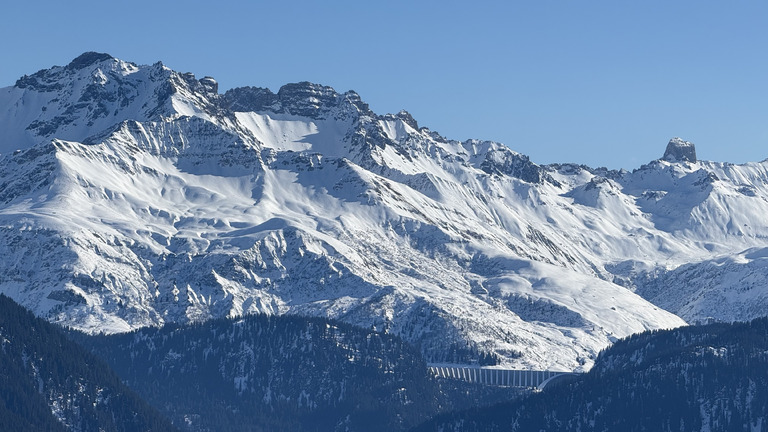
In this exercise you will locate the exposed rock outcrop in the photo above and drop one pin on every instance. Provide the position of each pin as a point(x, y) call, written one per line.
point(679, 150)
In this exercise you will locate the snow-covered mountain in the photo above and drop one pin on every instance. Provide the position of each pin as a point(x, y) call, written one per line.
point(136, 195)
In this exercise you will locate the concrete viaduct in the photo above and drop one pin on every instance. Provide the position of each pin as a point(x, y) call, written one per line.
point(498, 377)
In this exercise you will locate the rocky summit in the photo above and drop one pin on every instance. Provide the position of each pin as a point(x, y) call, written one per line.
point(134, 195)
point(679, 150)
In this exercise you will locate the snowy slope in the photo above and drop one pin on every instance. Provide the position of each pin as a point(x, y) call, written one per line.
point(140, 196)
point(726, 288)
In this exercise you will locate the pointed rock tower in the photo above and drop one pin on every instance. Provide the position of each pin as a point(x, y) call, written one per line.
point(679, 150)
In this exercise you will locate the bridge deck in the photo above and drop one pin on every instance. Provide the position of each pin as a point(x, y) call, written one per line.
point(495, 377)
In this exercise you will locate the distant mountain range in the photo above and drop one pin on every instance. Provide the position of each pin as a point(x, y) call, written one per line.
point(135, 196)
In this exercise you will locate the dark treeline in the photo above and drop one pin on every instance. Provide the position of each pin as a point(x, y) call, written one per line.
point(263, 373)
point(257, 373)
point(49, 383)
point(689, 379)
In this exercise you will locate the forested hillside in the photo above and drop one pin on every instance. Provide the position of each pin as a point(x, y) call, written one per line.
point(49, 383)
point(274, 373)
point(707, 378)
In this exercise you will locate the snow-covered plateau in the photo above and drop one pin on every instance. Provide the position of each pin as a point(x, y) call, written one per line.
point(135, 195)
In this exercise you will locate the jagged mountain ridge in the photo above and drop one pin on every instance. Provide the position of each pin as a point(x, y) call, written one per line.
point(139, 195)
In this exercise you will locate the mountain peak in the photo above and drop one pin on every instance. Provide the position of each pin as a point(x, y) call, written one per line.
point(210, 84)
point(679, 150)
point(303, 99)
point(88, 58)
point(307, 99)
point(408, 119)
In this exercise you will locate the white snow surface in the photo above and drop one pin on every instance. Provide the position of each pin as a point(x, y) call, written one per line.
point(145, 200)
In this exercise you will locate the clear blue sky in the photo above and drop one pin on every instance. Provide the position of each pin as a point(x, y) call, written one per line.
point(604, 83)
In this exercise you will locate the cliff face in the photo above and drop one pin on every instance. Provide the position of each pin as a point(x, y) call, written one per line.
point(680, 151)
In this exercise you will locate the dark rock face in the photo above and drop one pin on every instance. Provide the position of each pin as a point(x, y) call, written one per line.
point(244, 99)
point(506, 162)
point(408, 119)
point(680, 151)
point(307, 99)
point(86, 59)
point(210, 84)
point(302, 99)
